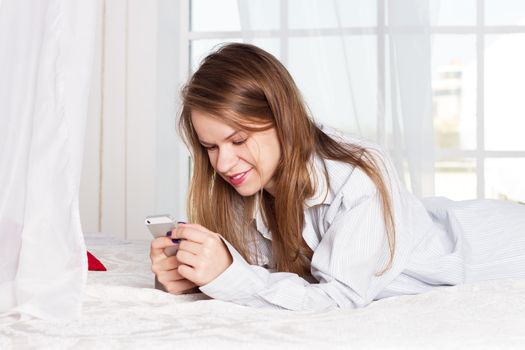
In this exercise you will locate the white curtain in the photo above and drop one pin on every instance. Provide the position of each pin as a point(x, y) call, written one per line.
point(373, 80)
point(411, 92)
point(46, 50)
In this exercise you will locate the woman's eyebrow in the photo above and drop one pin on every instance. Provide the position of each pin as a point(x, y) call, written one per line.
point(226, 139)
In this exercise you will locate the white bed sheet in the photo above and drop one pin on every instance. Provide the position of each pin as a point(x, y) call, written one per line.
point(123, 311)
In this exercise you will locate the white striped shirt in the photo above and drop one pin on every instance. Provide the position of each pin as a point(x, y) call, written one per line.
point(438, 243)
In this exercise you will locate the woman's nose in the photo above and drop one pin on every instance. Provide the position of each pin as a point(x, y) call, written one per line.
point(226, 160)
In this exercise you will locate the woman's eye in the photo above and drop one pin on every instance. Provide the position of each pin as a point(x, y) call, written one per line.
point(239, 142)
point(210, 148)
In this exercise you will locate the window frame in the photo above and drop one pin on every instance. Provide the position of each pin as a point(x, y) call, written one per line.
point(480, 154)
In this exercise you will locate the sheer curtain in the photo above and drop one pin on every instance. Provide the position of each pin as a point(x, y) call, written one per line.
point(46, 49)
point(411, 92)
point(364, 67)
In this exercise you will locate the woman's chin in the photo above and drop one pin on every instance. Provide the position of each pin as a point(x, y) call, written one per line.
point(246, 191)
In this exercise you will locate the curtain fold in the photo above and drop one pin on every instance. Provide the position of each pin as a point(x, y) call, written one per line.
point(46, 51)
point(409, 63)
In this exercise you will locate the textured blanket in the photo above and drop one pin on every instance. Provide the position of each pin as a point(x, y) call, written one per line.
point(123, 311)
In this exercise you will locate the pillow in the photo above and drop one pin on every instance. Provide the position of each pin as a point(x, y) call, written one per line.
point(94, 264)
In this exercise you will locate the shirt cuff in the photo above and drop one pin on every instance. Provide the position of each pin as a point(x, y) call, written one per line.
point(238, 281)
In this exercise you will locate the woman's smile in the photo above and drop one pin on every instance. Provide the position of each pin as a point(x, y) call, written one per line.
point(238, 179)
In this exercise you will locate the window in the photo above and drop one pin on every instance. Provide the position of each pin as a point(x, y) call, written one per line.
point(478, 114)
point(478, 47)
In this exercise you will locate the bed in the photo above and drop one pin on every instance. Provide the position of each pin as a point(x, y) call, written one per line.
point(123, 310)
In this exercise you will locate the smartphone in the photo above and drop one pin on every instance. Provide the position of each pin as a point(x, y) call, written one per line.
point(159, 225)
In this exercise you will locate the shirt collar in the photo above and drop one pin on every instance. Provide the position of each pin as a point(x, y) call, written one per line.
point(259, 223)
point(323, 193)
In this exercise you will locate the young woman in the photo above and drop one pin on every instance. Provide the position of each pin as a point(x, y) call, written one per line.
point(287, 214)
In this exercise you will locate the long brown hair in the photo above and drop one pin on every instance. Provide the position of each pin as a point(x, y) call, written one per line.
point(244, 85)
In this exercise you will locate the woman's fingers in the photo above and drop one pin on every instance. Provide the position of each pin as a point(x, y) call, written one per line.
point(161, 243)
point(158, 246)
point(187, 258)
point(196, 234)
point(169, 276)
point(179, 287)
point(196, 227)
point(167, 264)
point(191, 247)
point(171, 251)
point(190, 233)
point(187, 272)
point(202, 254)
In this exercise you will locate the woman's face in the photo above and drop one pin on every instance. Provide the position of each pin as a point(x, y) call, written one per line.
point(246, 161)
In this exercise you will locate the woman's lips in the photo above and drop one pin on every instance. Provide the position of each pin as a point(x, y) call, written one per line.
point(239, 178)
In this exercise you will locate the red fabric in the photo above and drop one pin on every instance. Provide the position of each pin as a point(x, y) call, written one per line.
point(94, 264)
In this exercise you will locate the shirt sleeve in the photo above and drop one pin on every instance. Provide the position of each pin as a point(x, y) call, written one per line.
point(345, 263)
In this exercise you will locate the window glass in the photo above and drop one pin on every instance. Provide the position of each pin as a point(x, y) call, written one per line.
point(504, 87)
point(504, 12)
point(456, 179)
point(504, 179)
point(212, 15)
point(453, 12)
point(454, 72)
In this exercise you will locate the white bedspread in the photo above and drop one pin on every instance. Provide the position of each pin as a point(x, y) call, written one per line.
point(123, 311)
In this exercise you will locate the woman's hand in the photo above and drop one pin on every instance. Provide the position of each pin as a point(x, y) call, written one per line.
point(165, 267)
point(202, 254)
